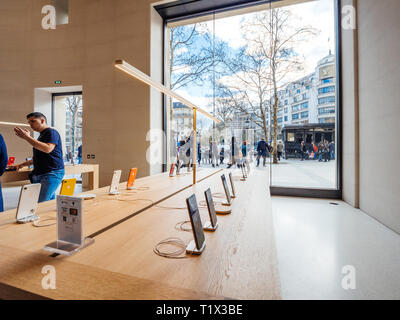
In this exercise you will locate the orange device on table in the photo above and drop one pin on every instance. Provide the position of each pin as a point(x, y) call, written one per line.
point(68, 187)
point(131, 179)
point(172, 170)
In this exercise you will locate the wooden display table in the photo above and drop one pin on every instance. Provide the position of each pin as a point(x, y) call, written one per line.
point(239, 260)
point(91, 169)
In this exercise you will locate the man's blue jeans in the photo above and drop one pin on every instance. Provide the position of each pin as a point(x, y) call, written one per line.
point(49, 184)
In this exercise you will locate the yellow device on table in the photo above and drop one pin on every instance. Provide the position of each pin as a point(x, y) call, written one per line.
point(68, 187)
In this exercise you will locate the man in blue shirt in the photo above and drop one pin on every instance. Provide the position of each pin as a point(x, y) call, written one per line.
point(48, 164)
point(3, 165)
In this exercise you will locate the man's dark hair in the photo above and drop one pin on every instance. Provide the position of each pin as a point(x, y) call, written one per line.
point(37, 115)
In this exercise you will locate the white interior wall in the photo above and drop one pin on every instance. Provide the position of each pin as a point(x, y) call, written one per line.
point(379, 95)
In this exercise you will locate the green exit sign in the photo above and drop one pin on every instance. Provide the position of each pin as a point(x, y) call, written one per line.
point(57, 82)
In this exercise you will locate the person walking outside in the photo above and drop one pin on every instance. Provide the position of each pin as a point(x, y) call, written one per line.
point(198, 153)
point(332, 150)
point(3, 166)
point(244, 149)
point(80, 154)
point(303, 150)
point(48, 164)
point(326, 151)
point(279, 149)
point(262, 151)
point(215, 154)
point(320, 151)
point(315, 149)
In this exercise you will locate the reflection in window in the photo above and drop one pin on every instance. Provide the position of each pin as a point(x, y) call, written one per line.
point(62, 8)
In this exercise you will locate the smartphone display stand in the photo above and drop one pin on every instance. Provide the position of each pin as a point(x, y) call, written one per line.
point(212, 224)
point(233, 195)
point(27, 204)
point(197, 245)
point(209, 227)
point(223, 210)
point(28, 219)
point(67, 248)
point(191, 248)
point(70, 232)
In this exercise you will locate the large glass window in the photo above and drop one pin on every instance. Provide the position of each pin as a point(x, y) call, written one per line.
point(248, 70)
point(67, 119)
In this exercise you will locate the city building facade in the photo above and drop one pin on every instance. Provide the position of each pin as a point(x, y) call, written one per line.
point(311, 99)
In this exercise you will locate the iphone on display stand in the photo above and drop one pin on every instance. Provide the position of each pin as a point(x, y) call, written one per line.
point(28, 202)
point(211, 225)
point(227, 193)
point(114, 187)
point(232, 185)
point(131, 179)
point(197, 245)
point(172, 170)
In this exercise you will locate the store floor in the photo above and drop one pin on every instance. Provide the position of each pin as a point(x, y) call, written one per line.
point(316, 239)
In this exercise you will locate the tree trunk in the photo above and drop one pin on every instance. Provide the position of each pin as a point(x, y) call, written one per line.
point(275, 151)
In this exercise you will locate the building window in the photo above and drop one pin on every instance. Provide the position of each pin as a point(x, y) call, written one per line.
point(300, 106)
point(304, 105)
point(286, 118)
point(326, 100)
point(327, 120)
point(327, 80)
point(286, 110)
point(326, 90)
point(295, 116)
point(327, 110)
point(304, 114)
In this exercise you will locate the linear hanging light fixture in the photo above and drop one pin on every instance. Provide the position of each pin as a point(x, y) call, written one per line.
point(139, 75)
point(14, 124)
point(131, 70)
